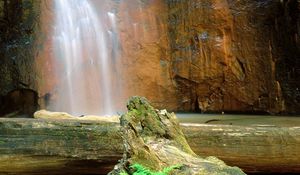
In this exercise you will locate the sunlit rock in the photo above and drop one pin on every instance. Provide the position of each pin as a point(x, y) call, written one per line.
point(44, 114)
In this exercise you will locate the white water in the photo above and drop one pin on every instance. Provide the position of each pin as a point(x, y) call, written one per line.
point(84, 66)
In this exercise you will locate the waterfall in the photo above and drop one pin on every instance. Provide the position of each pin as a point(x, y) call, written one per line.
point(84, 66)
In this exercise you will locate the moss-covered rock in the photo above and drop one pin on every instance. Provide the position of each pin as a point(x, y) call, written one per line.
point(153, 139)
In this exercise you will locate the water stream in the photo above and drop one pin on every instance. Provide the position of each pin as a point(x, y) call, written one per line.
point(84, 65)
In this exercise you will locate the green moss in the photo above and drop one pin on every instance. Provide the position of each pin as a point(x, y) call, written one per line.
point(141, 170)
point(123, 173)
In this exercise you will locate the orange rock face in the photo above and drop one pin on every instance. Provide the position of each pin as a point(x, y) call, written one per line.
point(221, 56)
point(145, 54)
point(198, 55)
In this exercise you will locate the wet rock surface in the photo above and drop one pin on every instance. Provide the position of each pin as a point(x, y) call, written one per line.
point(153, 139)
point(210, 56)
point(204, 55)
point(229, 55)
point(197, 55)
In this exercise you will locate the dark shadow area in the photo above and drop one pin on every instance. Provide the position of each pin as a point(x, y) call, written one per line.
point(19, 103)
point(285, 35)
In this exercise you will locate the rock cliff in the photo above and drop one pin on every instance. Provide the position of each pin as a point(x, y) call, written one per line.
point(189, 55)
point(212, 56)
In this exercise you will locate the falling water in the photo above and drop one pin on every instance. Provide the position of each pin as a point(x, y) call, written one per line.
point(84, 65)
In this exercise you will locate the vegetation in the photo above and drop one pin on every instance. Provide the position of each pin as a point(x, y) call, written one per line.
point(141, 170)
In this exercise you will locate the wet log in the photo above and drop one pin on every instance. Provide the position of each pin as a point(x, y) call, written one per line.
point(38, 146)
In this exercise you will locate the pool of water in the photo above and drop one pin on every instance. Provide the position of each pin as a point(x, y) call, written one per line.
point(244, 120)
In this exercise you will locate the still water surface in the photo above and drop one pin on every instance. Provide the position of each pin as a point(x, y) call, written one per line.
point(243, 120)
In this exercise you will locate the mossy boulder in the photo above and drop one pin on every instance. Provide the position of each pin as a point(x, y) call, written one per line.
point(153, 139)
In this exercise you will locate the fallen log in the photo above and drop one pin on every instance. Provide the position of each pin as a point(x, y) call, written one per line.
point(255, 149)
point(39, 146)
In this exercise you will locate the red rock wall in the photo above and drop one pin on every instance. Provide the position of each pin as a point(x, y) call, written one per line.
point(145, 54)
point(44, 60)
point(191, 55)
point(221, 55)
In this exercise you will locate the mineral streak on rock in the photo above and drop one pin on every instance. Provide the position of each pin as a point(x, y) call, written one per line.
point(153, 139)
